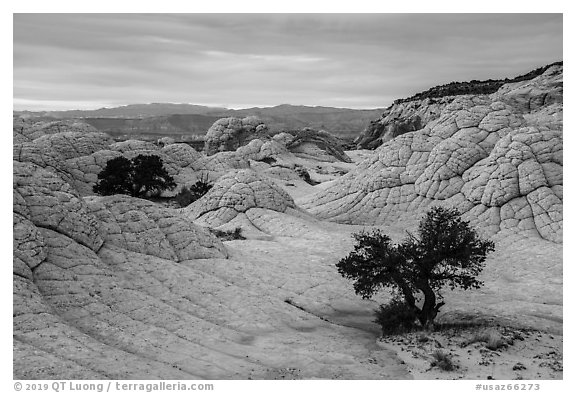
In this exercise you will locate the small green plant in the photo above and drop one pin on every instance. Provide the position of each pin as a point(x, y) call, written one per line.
point(442, 360)
point(236, 234)
point(395, 317)
point(196, 191)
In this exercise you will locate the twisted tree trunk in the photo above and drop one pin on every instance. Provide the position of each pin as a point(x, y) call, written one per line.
point(430, 308)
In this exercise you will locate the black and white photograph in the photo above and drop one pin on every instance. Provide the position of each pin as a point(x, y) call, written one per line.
point(287, 196)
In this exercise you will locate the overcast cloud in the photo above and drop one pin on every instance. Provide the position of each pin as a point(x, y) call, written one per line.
point(68, 61)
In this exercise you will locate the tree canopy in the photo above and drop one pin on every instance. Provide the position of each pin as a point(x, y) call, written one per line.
point(446, 252)
point(143, 175)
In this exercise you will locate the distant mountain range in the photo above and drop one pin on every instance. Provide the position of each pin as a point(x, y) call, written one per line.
point(158, 119)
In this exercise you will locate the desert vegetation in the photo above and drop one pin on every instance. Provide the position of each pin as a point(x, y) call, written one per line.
point(144, 175)
point(445, 252)
point(488, 86)
point(187, 195)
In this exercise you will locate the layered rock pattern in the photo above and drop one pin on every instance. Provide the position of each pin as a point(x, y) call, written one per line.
point(230, 133)
point(142, 226)
point(479, 156)
point(47, 201)
point(30, 130)
point(237, 193)
point(121, 288)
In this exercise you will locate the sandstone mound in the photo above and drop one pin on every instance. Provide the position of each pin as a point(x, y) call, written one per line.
point(236, 193)
point(317, 145)
point(182, 154)
point(47, 201)
point(72, 144)
point(120, 288)
point(400, 119)
point(230, 133)
point(30, 130)
point(133, 145)
point(142, 226)
point(165, 141)
point(478, 156)
point(530, 93)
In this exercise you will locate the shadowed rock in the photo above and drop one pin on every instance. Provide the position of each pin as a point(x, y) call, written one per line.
point(316, 145)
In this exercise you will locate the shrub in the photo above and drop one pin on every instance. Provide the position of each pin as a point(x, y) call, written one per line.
point(492, 338)
point(184, 197)
point(142, 176)
point(395, 317)
point(236, 234)
point(442, 360)
point(196, 191)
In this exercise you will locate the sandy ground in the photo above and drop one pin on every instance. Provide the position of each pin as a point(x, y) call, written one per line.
point(498, 353)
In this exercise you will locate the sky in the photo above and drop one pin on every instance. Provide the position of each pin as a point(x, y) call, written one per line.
point(89, 61)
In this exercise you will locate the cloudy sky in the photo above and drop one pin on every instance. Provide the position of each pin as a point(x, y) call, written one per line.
point(69, 61)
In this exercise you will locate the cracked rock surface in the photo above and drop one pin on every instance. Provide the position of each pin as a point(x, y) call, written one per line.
point(479, 156)
point(122, 288)
point(539, 100)
point(236, 193)
point(118, 287)
point(230, 133)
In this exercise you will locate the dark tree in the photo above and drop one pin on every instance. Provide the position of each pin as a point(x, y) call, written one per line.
point(141, 176)
point(150, 177)
point(115, 178)
point(445, 252)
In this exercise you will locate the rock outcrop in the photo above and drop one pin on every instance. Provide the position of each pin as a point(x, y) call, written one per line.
point(30, 130)
point(526, 94)
point(117, 287)
point(480, 155)
point(121, 288)
point(141, 226)
point(400, 119)
point(230, 133)
point(316, 145)
point(235, 193)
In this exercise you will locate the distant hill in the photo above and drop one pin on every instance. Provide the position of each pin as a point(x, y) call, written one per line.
point(179, 120)
point(130, 111)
